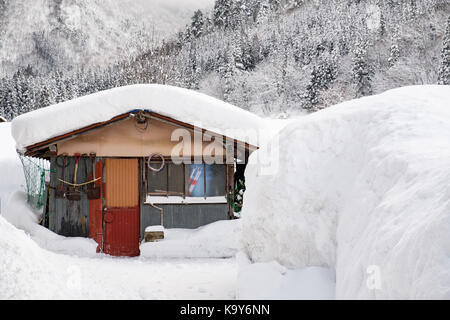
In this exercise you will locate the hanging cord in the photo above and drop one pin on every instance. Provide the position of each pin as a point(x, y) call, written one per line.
point(79, 184)
point(163, 162)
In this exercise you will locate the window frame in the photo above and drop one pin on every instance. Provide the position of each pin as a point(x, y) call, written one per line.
point(186, 173)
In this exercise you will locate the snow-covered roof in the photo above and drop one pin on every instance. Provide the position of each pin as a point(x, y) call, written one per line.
point(180, 104)
point(2, 119)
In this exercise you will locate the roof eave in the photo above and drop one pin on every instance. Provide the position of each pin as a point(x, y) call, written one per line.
point(40, 147)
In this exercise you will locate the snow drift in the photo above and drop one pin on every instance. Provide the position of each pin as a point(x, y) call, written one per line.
point(20, 214)
point(27, 271)
point(215, 240)
point(11, 173)
point(181, 104)
point(363, 187)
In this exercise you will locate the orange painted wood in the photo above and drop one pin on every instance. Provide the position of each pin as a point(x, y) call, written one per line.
point(122, 185)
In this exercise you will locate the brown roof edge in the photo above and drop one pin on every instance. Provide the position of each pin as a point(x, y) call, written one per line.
point(33, 148)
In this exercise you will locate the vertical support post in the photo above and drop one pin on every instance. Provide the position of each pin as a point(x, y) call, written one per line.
point(204, 179)
point(167, 177)
point(184, 180)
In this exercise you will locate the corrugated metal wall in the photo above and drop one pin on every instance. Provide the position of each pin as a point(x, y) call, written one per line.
point(183, 216)
point(69, 218)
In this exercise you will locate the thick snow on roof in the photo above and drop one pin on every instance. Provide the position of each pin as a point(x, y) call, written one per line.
point(363, 188)
point(2, 119)
point(181, 104)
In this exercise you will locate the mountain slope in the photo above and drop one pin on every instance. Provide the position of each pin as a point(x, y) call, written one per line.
point(49, 34)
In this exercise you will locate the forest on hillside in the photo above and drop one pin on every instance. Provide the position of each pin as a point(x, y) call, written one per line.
point(276, 58)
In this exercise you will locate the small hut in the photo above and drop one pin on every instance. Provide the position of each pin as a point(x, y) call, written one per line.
point(2, 119)
point(137, 156)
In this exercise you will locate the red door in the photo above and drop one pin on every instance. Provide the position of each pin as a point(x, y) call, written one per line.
point(121, 213)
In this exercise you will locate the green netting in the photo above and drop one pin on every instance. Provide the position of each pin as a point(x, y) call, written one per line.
point(37, 173)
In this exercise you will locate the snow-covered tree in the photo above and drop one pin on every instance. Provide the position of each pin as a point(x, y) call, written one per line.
point(223, 13)
point(362, 71)
point(444, 70)
point(321, 77)
point(394, 52)
point(197, 24)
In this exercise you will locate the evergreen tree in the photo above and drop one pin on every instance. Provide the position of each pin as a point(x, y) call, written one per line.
point(197, 24)
point(222, 13)
point(226, 71)
point(362, 71)
point(394, 53)
point(263, 12)
point(43, 97)
point(237, 15)
point(321, 78)
point(444, 70)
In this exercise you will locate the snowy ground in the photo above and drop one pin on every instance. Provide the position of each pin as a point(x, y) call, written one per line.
point(69, 268)
point(29, 272)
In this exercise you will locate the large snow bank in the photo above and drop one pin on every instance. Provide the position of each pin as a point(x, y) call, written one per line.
point(362, 187)
point(26, 271)
point(185, 105)
point(216, 240)
point(272, 281)
point(11, 173)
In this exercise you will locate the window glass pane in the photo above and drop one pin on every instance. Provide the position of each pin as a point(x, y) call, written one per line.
point(215, 180)
point(176, 179)
point(157, 181)
point(195, 184)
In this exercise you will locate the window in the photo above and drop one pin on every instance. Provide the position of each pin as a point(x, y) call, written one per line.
point(215, 180)
point(187, 180)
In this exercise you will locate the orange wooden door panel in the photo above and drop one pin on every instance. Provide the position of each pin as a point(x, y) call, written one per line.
point(122, 185)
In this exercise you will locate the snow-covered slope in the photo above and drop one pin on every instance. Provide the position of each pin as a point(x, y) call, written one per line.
point(47, 33)
point(185, 105)
point(362, 187)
